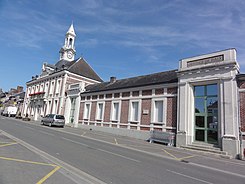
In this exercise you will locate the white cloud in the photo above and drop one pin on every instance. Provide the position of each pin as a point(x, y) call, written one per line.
point(143, 25)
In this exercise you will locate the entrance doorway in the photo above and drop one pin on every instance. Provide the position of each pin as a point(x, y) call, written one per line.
point(206, 113)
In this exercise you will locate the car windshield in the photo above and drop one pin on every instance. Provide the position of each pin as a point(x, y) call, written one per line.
point(51, 115)
point(60, 117)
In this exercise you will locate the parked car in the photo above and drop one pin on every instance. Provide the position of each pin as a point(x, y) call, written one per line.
point(10, 111)
point(53, 120)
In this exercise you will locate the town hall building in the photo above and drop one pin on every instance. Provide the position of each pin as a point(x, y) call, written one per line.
point(202, 102)
point(48, 93)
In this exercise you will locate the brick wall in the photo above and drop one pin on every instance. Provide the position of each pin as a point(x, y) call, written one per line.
point(93, 111)
point(171, 112)
point(108, 95)
point(81, 111)
point(107, 111)
point(124, 111)
point(159, 91)
point(172, 90)
point(125, 94)
point(135, 93)
point(242, 106)
point(116, 95)
point(146, 118)
point(146, 92)
point(241, 84)
point(242, 110)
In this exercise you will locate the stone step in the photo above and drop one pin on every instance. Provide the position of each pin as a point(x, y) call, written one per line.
point(205, 146)
point(207, 150)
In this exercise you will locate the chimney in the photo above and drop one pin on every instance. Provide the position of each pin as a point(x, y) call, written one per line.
point(113, 79)
point(19, 89)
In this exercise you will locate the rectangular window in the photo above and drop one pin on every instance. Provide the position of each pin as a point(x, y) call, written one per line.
point(115, 111)
point(41, 89)
point(58, 87)
point(100, 109)
point(46, 88)
point(37, 89)
point(51, 88)
point(86, 111)
point(158, 111)
point(55, 106)
point(134, 111)
point(29, 90)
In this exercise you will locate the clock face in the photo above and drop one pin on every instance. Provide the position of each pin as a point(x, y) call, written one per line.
point(69, 54)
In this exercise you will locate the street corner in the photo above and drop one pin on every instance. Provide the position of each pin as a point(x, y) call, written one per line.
point(20, 165)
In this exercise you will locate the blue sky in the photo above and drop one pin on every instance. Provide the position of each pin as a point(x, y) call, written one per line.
point(121, 38)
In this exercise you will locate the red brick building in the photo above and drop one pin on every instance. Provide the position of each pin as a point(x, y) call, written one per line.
point(203, 101)
point(137, 103)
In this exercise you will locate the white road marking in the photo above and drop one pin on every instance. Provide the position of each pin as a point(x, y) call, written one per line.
point(189, 177)
point(46, 133)
point(102, 150)
point(224, 161)
point(75, 141)
point(83, 134)
point(119, 155)
point(219, 170)
point(77, 175)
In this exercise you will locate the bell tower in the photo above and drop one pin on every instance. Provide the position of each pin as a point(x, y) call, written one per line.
point(67, 52)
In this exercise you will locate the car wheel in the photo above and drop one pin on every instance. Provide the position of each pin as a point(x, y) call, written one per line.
point(50, 124)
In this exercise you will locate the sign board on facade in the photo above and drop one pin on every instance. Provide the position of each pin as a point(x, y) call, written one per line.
point(205, 61)
point(145, 111)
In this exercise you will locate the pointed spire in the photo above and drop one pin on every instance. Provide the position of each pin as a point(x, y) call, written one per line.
point(71, 30)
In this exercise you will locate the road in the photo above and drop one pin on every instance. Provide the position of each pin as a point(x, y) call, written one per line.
point(111, 163)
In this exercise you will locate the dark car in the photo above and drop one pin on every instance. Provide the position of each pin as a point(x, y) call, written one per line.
point(54, 120)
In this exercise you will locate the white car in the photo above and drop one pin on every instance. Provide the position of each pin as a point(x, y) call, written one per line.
point(53, 120)
point(10, 111)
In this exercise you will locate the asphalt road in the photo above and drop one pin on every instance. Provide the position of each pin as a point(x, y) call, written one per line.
point(114, 164)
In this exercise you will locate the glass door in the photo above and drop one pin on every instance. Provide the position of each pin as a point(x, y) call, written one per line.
point(206, 113)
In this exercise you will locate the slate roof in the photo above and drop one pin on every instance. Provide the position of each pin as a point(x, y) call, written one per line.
point(78, 66)
point(145, 80)
point(81, 67)
point(64, 64)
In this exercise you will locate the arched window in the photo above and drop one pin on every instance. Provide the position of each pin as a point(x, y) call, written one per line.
point(66, 42)
point(70, 42)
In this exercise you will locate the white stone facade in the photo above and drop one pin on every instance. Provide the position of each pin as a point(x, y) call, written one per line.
point(219, 68)
point(49, 93)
